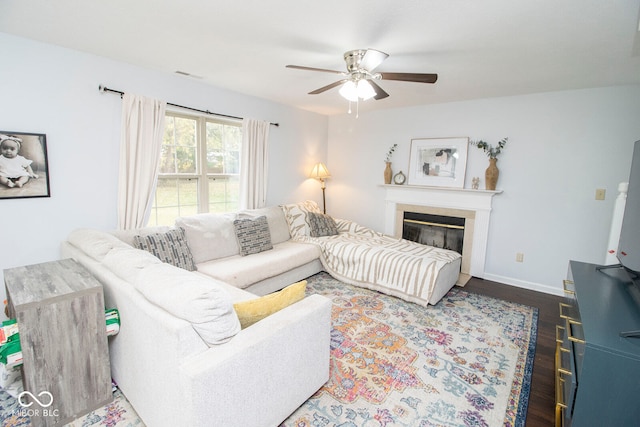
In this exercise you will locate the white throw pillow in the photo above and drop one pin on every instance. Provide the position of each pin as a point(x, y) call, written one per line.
point(189, 296)
point(210, 236)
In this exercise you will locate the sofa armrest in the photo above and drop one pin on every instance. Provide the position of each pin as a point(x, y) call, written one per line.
point(265, 372)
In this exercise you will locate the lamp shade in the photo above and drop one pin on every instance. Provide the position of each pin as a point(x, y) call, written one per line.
point(319, 171)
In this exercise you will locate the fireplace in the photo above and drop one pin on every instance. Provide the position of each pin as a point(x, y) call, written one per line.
point(473, 206)
point(440, 231)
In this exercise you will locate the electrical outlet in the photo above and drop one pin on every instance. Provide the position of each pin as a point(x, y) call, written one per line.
point(600, 193)
point(519, 257)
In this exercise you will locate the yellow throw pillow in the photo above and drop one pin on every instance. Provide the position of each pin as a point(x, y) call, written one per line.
point(252, 311)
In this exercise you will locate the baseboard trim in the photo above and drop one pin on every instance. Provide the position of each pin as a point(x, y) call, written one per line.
point(524, 284)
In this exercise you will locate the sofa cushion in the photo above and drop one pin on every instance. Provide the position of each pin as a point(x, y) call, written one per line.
point(253, 234)
point(277, 222)
point(210, 236)
point(235, 293)
point(244, 271)
point(321, 225)
point(127, 263)
point(170, 247)
point(189, 296)
point(95, 243)
point(296, 216)
point(254, 310)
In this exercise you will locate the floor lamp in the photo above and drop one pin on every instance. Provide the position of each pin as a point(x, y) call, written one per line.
point(320, 172)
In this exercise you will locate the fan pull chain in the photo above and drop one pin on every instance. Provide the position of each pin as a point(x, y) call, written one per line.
point(357, 108)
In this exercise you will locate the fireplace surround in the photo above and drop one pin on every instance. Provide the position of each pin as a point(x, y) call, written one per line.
point(472, 205)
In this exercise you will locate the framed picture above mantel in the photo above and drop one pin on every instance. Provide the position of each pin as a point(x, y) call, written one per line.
point(438, 162)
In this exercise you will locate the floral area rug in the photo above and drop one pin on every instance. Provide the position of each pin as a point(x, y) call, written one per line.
point(466, 361)
point(117, 413)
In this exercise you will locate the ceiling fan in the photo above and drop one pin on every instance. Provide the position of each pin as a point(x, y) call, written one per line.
point(359, 81)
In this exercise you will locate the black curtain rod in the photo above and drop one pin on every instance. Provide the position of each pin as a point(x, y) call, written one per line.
point(106, 89)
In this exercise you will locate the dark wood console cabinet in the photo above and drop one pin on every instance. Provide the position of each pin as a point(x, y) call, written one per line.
point(597, 370)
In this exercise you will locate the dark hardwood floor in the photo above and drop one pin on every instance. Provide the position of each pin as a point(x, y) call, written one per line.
point(541, 410)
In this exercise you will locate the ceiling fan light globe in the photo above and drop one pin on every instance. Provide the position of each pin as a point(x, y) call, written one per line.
point(365, 90)
point(349, 91)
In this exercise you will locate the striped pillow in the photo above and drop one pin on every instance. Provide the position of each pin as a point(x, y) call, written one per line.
point(253, 235)
point(170, 247)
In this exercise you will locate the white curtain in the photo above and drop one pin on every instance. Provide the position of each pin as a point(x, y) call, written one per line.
point(254, 164)
point(141, 140)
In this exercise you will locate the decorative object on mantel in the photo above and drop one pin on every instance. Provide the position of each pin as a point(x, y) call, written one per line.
point(388, 173)
point(438, 162)
point(475, 183)
point(492, 173)
point(399, 178)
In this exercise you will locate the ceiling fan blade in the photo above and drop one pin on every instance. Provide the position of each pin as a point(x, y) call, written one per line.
point(372, 58)
point(410, 77)
point(327, 87)
point(380, 93)
point(299, 67)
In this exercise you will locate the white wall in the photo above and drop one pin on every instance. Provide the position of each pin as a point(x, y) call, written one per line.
point(562, 146)
point(50, 90)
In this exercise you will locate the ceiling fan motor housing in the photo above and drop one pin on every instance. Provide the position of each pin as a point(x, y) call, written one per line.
point(353, 58)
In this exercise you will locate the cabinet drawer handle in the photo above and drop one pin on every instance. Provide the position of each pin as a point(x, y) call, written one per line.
point(559, 333)
point(560, 393)
point(562, 370)
point(562, 307)
point(570, 336)
point(565, 285)
point(559, 368)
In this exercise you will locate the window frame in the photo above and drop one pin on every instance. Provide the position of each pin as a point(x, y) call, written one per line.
point(201, 175)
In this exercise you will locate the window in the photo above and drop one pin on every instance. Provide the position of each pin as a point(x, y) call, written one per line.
point(199, 168)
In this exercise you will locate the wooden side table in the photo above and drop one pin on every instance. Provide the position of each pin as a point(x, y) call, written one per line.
point(59, 307)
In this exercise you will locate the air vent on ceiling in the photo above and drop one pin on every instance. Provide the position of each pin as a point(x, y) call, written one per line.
point(184, 73)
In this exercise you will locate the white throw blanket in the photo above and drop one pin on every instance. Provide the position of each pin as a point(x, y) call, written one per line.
point(364, 257)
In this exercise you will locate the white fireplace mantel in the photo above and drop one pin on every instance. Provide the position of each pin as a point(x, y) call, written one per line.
point(477, 202)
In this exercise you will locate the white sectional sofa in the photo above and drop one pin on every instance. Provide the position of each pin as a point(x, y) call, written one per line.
point(180, 357)
point(215, 249)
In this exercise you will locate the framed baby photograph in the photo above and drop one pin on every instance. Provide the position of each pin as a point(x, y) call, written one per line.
point(24, 169)
point(438, 162)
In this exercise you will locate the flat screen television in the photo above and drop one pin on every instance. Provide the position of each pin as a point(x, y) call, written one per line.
point(629, 247)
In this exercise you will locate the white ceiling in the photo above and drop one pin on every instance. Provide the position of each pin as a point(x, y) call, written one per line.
point(478, 48)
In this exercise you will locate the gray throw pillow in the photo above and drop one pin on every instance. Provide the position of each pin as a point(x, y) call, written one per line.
point(170, 247)
point(321, 225)
point(253, 235)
